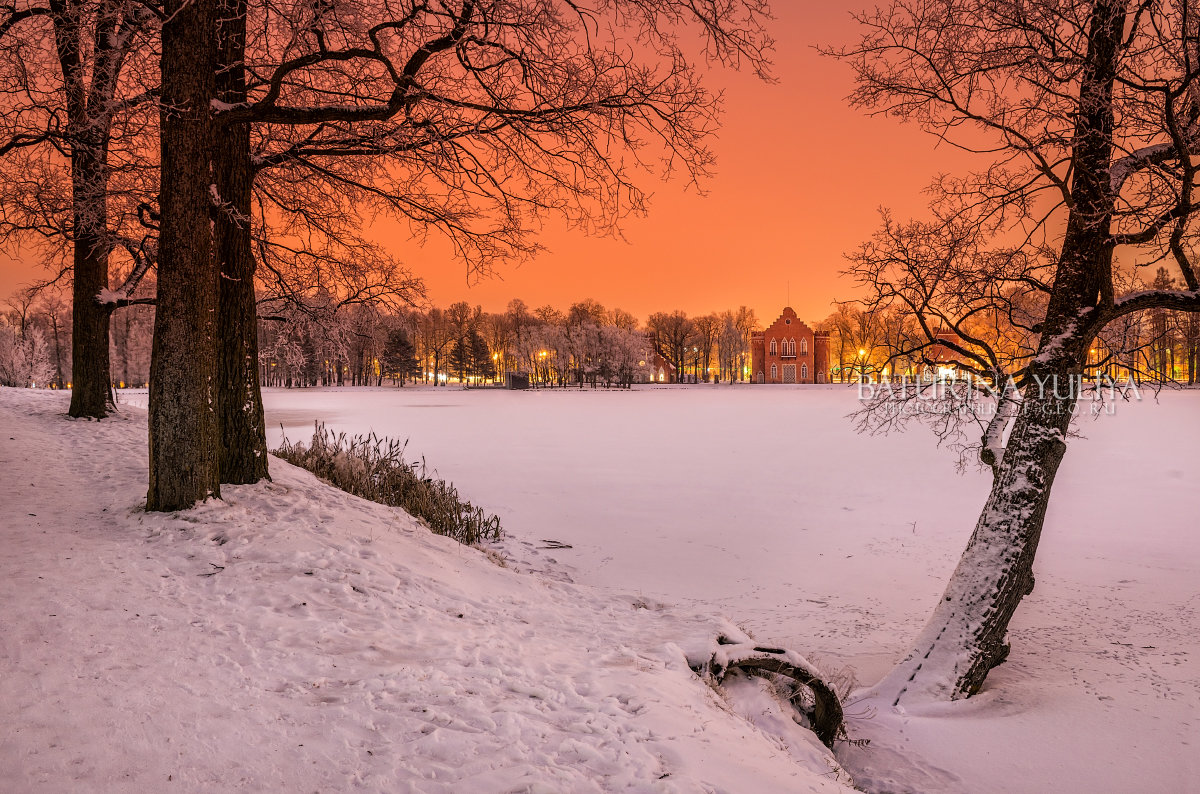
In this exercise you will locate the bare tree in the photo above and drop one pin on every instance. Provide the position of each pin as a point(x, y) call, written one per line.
point(746, 323)
point(57, 314)
point(475, 117)
point(708, 327)
point(1087, 117)
point(75, 104)
point(434, 340)
point(671, 335)
point(729, 348)
point(183, 406)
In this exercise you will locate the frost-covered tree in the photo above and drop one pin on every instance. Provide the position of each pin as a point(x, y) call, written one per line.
point(54, 313)
point(1086, 117)
point(26, 359)
point(625, 351)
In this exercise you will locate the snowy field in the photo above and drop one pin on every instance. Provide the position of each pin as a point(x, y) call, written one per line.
point(295, 638)
point(763, 505)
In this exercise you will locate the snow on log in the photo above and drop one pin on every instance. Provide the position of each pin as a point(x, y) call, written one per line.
point(825, 716)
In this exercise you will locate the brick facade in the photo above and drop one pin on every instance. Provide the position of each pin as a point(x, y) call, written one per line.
point(788, 351)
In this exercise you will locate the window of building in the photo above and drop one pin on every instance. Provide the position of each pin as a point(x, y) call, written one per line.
point(804, 347)
point(774, 369)
point(774, 349)
point(789, 373)
point(803, 372)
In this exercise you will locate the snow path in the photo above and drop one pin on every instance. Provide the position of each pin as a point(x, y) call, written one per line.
point(293, 637)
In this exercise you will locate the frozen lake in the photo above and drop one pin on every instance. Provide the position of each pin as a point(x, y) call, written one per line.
point(763, 504)
point(759, 502)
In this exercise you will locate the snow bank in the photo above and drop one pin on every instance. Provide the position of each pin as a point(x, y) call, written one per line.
point(293, 637)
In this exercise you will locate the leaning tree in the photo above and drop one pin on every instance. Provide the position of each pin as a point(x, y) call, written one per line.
point(1087, 119)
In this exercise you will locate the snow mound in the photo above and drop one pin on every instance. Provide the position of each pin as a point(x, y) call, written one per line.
point(293, 637)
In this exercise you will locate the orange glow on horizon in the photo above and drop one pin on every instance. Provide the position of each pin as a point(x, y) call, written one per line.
point(799, 181)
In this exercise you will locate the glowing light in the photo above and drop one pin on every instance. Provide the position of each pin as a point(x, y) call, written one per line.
point(862, 352)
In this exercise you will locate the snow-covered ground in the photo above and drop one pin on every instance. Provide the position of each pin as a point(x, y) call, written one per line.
point(328, 652)
point(762, 504)
point(294, 638)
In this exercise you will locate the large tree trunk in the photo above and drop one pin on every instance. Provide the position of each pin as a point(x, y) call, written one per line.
point(243, 453)
point(91, 393)
point(184, 431)
point(966, 637)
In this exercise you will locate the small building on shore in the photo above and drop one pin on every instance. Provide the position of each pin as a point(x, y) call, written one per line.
point(788, 351)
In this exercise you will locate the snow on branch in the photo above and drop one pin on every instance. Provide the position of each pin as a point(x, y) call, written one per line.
point(1127, 166)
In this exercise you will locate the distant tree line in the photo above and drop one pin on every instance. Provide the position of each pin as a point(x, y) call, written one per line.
point(587, 345)
point(315, 340)
point(1152, 346)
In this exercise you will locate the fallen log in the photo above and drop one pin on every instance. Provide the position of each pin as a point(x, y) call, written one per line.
point(825, 715)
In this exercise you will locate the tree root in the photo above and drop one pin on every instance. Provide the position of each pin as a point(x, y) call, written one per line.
point(825, 716)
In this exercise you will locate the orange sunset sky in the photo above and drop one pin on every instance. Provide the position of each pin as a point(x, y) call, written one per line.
point(799, 181)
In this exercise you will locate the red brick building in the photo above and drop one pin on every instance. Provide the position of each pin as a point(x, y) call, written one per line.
point(788, 351)
point(938, 352)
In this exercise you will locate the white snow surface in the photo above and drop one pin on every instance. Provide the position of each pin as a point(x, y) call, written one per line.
point(763, 505)
point(755, 503)
point(295, 638)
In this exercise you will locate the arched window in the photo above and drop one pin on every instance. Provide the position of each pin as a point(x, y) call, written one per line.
point(804, 347)
point(774, 370)
point(803, 372)
point(774, 349)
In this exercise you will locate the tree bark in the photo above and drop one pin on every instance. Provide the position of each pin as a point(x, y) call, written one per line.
point(243, 449)
point(184, 429)
point(966, 637)
point(91, 392)
point(91, 395)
